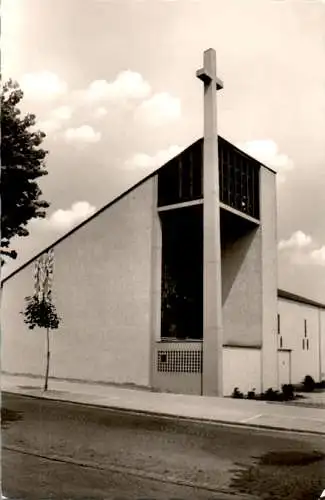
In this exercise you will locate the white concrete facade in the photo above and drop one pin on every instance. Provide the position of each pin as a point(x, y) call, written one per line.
point(241, 291)
point(301, 332)
point(242, 369)
point(102, 290)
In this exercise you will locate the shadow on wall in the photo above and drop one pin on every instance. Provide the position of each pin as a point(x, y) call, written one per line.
point(236, 240)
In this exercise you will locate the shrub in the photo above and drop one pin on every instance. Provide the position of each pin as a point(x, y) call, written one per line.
point(288, 392)
point(251, 394)
point(271, 395)
point(237, 394)
point(309, 383)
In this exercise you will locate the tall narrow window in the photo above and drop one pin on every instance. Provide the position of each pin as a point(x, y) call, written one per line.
point(303, 344)
point(281, 342)
point(279, 325)
point(305, 328)
point(182, 273)
point(307, 344)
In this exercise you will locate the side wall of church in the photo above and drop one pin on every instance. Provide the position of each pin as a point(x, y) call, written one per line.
point(322, 343)
point(300, 331)
point(102, 276)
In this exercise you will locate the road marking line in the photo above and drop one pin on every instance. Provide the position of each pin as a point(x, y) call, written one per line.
point(251, 418)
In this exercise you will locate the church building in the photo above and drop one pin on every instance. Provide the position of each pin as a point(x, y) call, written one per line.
point(173, 285)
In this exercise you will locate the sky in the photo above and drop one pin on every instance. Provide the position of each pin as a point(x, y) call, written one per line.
point(112, 83)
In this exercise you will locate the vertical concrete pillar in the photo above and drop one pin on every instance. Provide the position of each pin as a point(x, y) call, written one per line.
point(156, 255)
point(321, 344)
point(212, 376)
point(269, 276)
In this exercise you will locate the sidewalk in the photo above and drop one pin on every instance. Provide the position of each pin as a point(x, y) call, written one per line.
point(200, 408)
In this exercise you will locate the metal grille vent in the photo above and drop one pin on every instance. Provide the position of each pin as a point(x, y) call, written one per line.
point(179, 361)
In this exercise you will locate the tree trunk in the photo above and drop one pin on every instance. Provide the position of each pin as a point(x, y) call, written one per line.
point(47, 359)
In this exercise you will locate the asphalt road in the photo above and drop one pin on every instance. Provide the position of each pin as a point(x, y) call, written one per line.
point(55, 450)
point(46, 479)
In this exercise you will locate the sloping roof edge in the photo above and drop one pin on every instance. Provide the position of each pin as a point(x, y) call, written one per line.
point(118, 198)
point(79, 226)
point(283, 294)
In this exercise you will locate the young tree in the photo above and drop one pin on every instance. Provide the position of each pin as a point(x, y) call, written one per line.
point(22, 162)
point(42, 313)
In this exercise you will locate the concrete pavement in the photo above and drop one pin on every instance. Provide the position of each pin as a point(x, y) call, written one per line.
point(200, 408)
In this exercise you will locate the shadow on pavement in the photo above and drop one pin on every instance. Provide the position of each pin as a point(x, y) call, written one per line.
point(9, 416)
point(289, 475)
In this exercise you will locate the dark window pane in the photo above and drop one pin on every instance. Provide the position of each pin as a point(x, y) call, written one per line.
point(182, 273)
point(181, 179)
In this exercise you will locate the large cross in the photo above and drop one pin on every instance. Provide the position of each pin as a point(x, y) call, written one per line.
point(212, 371)
point(208, 73)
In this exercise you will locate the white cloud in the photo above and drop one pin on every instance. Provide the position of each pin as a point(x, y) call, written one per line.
point(267, 152)
point(298, 244)
point(147, 162)
point(297, 240)
point(315, 257)
point(318, 256)
point(159, 109)
point(83, 134)
point(62, 113)
point(42, 85)
point(48, 126)
point(100, 112)
point(54, 122)
point(64, 219)
point(127, 85)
